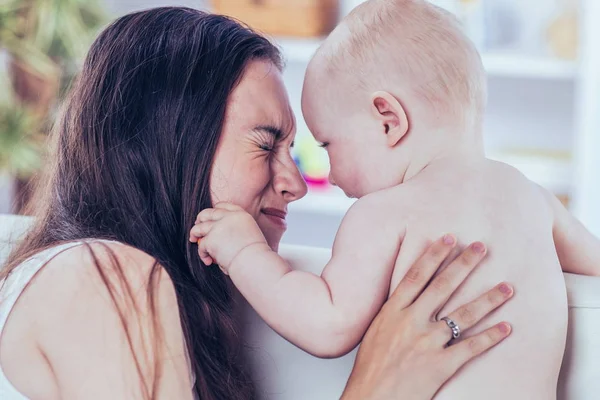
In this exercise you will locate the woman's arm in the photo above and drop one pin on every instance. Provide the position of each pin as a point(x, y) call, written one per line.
point(104, 334)
point(405, 353)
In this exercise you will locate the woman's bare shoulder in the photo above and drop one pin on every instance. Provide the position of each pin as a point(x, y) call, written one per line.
point(112, 309)
point(88, 270)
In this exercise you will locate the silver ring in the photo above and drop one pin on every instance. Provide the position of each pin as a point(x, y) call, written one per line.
point(453, 326)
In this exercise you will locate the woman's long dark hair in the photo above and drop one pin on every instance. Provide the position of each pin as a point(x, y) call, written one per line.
point(133, 155)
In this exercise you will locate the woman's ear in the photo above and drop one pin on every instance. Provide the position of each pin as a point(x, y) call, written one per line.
point(388, 110)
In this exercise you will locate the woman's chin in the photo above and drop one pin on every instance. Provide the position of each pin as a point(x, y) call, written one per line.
point(273, 240)
point(272, 234)
point(274, 244)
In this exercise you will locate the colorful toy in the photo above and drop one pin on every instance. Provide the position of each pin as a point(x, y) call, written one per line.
point(311, 160)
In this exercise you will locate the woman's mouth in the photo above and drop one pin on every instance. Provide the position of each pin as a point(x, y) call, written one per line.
point(276, 216)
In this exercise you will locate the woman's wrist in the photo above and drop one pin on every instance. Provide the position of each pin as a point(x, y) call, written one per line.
point(368, 381)
point(357, 390)
point(351, 391)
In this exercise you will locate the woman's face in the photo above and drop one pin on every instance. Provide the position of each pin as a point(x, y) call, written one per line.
point(253, 166)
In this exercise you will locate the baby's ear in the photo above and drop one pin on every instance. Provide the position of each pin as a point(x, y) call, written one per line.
point(392, 116)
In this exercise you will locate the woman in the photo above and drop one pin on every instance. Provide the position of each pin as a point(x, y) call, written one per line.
point(173, 111)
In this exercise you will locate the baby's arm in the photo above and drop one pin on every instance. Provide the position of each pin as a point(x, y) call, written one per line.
point(578, 249)
point(305, 258)
point(324, 315)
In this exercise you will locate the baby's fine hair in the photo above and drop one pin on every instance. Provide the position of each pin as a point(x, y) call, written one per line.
point(417, 49)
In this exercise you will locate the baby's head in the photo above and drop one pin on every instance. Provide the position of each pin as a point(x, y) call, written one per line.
point(395, 86)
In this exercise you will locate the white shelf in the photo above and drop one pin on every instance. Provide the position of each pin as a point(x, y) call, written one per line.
point(522, 66)
point(500, 64)
point(555, 174)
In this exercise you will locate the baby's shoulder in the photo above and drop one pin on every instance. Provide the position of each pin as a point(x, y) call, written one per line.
point(378, 218)
point(385, 206)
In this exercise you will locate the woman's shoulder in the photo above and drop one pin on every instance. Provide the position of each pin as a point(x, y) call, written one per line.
point(100, 271)
point(90, 263)
point(113, 306)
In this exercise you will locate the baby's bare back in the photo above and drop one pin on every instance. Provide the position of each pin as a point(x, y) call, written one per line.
point(493, 203)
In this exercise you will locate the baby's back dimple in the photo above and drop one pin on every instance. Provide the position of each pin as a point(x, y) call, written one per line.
point(509, 214)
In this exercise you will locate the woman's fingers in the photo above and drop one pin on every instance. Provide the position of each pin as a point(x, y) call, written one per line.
point(417, 277)
point(445, 284)
point(472, 313)
point(459, 354)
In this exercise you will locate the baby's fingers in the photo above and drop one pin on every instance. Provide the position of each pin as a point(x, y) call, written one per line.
point(228, 207)
point(210, 214)
point(200, 230)
point(203, 253)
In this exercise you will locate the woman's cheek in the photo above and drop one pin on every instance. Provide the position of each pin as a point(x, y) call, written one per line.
point(246, 190)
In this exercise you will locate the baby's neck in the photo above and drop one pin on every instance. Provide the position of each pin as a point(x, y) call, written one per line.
point(467, 150)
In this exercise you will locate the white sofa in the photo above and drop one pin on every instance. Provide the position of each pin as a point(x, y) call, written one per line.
point(284, 372)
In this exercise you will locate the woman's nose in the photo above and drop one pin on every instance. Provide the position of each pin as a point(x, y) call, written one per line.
point(289, 182)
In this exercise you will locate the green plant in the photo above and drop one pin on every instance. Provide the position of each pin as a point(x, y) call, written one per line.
point(20, 142)
point(45, 41)
point(47, 32)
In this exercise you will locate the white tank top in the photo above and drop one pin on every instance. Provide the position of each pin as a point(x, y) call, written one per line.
point(10, 291)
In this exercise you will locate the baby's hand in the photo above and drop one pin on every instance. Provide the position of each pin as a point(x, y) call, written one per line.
point(223, 232)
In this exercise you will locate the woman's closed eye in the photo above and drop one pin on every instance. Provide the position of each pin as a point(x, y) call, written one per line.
point(268, 137)
point(276, 146)
point(263, 140)
point(266, 146)
point(324, 145)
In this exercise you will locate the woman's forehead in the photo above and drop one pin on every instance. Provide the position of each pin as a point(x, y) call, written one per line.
point(260, 98)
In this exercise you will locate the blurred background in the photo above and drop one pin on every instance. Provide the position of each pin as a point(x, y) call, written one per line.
point(542, 62)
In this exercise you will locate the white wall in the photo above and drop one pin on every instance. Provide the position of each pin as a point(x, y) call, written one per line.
point(586, 201)
point(522, 113)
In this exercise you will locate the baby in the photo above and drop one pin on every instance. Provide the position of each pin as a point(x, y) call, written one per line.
point(396, 96)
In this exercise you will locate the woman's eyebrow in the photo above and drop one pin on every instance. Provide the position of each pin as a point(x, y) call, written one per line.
point(272, 130)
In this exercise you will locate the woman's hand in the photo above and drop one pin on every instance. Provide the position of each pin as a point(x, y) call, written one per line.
point(405, 353)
